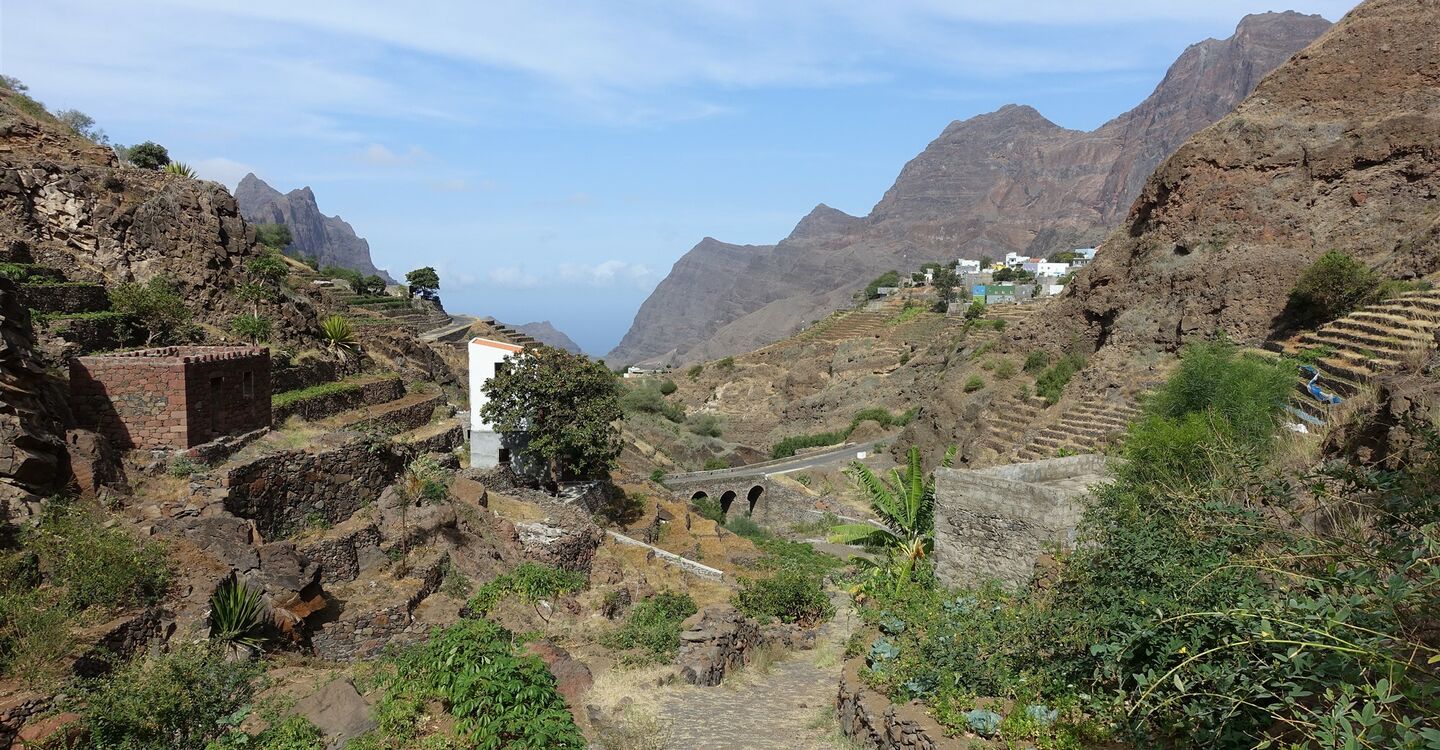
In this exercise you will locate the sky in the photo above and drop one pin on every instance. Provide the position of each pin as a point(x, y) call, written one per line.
point(553, 159)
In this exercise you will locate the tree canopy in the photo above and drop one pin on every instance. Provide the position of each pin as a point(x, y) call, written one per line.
point(154, 307)
point(566, 405)
point(277, 236)
point(148, 155)
point(423, 282)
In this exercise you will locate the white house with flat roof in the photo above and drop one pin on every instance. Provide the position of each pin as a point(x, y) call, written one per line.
point(1015, 260)
point(967, 266)
point(485, 356)
point(1083, 257)
point(1042, 267)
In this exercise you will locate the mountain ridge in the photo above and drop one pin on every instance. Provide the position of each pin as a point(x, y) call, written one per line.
point(1002, 181)
point(331, 239)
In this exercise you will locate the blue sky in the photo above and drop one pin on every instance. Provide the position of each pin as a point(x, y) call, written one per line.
point(553, 159)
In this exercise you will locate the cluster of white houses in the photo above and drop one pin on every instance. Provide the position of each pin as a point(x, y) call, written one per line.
point(1042, 277)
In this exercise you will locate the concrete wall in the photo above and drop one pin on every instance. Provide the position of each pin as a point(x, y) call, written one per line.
point(992, 524)
point(175, 397)
point(484, 356)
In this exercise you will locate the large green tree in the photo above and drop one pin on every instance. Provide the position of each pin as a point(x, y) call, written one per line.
point(567, 405)
point(277, 236)
point(148, 155)
point(423, 282)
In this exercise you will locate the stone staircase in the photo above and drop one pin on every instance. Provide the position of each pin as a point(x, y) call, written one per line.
point(1350, 351)
point(1014, 420)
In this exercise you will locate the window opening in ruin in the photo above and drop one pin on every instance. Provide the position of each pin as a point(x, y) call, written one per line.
point(249, 384)
point(217, 385)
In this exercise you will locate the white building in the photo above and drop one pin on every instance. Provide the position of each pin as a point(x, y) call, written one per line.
point(485, 356)
point(967, 266)
point(1015, 260)
point(1042, 267)
point(1083, 256)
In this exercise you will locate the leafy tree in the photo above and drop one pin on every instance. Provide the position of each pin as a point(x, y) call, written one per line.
point(945, 281)
point(986, 261)
point(423, 282)
point(1003, 275)
point(148, 155)
point(566, 405)
point(976, 310)
point(1064, 256)
point(889, 278)
point(372, 285)
point(13, 84)
point(905, 504)
point(253, 294)
point(254, 328)
point(82, 124)
point(267, 268)
point(1331, 287)
point(153, 307)
point(277, 236)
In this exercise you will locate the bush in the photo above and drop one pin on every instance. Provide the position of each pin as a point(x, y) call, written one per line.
point(175, 701)
point(974, 383)
point(789, 596)
point(658, 476)
point(668, 387)
point(1004, 369)
point(155, 308)
point(254, 328)
point(1050, 385)
point(652, 629)
point(148, 155)
point(35, 638)
point(715, 464)
point(790, 445)
point(497, 696)
point(889, 278)
point(338, 334)
point(694, 372)
point(976, 310)
point(179, 169)
point(96, 566)
point(1036, 361)
point(706, 425)
point(532, 582)
point(644, 397)
point(725, 364)
point(275, 236)
point(707, 508)
point(1331, 287)
point(238, 615)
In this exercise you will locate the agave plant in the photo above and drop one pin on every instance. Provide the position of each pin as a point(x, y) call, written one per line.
point(238, 615)
point(180, 168)
point(339, 335)
point(905, 504)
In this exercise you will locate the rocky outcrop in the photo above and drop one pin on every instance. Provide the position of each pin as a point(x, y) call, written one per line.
point(872, 722)
point(546, 333)
point(329, 238)
point(1005, 181)
point(715, 641)
point(32, 448)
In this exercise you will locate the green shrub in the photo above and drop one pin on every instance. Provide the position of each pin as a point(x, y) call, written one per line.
point(179, 169)
point(707, 508)
point(974, 383)
point(148, 155)
point(668, 387)
point(790, 445)
point(1036, 361)
point(789, 596)
point(694, 372)
point(1050, 385)
point(253, 328)
point(651, 631)
point(97, 566)
point(531, 582)
point(889, 278)
point(238, 614)
point(175, 701)
point(1004, 369)
point(725, 364)
point(497, 696)
point(338, 334)
point(277, 236)
point(743, 525)
point(1331, 287)
point(976, 310)
point(281, 733)
point(658, 476)
point(706, 425)
point(714, 464)
point(155, 308)
point(35, 638)
point(644, 397)
point(181, 466)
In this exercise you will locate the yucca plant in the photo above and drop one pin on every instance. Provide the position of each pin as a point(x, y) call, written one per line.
point(339, 335)
point(180, 168)
point(905, 505)
point(238, 615)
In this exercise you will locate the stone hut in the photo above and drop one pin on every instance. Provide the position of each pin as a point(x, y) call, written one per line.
point(172, 397)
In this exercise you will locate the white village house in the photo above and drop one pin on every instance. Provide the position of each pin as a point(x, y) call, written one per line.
point(485, 356)
point(1042, 267)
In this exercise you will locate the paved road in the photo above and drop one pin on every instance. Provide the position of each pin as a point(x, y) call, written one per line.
point(829, 457)
point(456, 323)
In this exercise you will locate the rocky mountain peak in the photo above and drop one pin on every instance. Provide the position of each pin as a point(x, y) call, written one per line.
point(329, 238)
point(822, 220)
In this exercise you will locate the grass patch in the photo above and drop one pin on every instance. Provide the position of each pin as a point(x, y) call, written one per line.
point(1050, 385)
point(289, 398)
point(651, 632)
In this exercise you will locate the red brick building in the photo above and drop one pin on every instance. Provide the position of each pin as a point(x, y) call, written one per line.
point(172, 397)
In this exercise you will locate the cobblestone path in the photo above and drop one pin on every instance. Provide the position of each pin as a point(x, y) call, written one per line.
point(789, 706)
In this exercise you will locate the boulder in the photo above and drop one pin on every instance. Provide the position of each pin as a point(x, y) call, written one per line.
point(339, 710)
point(572, 677)
point(94, 462)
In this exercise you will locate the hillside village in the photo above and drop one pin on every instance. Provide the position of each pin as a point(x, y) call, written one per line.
point(1179, 489)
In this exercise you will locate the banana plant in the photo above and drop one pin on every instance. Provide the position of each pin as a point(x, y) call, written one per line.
point(904, 503)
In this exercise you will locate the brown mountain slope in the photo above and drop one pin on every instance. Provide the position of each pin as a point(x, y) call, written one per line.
point(1337, 149)
point(546, 333)
point(329, 238)
point(1005, 181)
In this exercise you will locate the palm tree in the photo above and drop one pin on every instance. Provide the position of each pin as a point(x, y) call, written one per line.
point(905, 505)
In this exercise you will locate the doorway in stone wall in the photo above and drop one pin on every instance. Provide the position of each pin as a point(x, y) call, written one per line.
point(217, 390)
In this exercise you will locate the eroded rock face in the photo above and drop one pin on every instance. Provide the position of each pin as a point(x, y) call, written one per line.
point(1009, 180)
point(329, 238)
point(32, 448)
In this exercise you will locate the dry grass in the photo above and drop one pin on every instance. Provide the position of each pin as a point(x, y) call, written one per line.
point(638, 686)
point(762, 662)
point(633, 729)
point(825, 721)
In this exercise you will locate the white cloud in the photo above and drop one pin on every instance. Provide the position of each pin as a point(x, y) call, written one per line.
point(513, 276)
point(608, 273)
point(227, 172)
point(378, 155)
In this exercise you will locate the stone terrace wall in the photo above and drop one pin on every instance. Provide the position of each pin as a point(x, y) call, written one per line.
point(994, 523)
point(874, 723)
point(363, 394)
point(176, 397)
point(278, 491)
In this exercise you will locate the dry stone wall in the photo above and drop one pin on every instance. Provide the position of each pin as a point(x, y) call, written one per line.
point(363, 394)
point(871, 721)
point(280, 490)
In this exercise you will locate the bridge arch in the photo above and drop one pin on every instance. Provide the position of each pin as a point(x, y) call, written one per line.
point(726, 500)
point(699, 495)
point(753, 496)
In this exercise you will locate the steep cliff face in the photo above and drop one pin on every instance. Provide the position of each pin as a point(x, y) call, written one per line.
point(546, 333)
point(1009, 180)
point(329, 238)
point(1339, 148)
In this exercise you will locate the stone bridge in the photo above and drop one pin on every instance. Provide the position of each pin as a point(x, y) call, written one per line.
point(757, 490)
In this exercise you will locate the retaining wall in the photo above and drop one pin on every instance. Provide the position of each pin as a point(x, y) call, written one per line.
point(280, 490)
point(326, 404)
point(874, 723)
